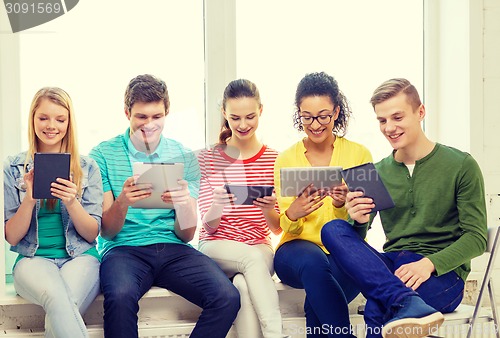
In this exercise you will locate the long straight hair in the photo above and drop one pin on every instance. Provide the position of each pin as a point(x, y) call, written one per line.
point(69, 143)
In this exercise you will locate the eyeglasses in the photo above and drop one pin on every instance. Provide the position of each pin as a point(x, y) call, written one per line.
point(322, 119)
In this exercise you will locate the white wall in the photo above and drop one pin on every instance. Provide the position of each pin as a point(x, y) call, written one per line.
point(491, 127)
point(10, 123)
point(452, 92)
point(491, 124)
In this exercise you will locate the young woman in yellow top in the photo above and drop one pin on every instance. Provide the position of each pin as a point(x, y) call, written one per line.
point(301, 260)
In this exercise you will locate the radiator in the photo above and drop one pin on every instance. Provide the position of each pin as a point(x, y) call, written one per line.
point(167, 331)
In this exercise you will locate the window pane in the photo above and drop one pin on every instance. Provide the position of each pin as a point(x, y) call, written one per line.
point(361, 43)
point(95, 49)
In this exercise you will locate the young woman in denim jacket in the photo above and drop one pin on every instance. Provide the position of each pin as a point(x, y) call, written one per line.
point(58, 264)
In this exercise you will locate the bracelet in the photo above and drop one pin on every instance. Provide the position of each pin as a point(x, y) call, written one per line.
point(208, 225)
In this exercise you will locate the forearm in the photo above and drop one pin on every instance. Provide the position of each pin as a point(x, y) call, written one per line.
point(273, 221)
point(287, 224)
point(211, 219)
point(85, 224)
point(186, 220)
point(17, 227)
point(468, 246)
point(340, 213)
point(113, 219)
point(292, 226)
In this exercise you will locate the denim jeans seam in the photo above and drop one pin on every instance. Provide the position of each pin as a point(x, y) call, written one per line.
point(450, 288)
point(96, 283)
point(84, 329)
point(446, 307)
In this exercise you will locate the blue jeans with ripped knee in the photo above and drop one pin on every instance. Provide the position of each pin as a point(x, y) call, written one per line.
point(373, 273)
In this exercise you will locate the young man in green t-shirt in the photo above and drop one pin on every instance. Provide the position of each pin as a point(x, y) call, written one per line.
point(437, 226)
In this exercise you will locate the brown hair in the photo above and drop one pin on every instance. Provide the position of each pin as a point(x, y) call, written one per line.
point(234, 90)
point(146, 88)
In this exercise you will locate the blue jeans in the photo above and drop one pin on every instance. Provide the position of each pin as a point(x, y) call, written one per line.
point(373, 273)
point(303, 265)
point(64, 287)
point(128, 272)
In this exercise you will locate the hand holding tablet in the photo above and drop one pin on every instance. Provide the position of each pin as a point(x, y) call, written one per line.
point(159, 177)
point(47, 168)
point(294, 180)
point(365, 178)
point(246, 194)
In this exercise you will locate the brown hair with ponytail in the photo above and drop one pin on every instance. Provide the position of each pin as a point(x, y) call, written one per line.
point(234, 90)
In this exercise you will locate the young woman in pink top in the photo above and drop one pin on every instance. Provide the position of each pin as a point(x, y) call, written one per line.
point(236, 236)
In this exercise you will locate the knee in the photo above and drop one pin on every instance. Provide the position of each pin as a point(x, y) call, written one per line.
point(255, 262)
point(240, 283)
point(50, 297)
point(227, 299)
point(119, 295)
point(332, 232)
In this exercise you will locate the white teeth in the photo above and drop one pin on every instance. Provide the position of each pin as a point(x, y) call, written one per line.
point(316, 132)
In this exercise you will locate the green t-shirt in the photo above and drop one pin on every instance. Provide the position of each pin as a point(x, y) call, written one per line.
point(142, 227)
point(51, 239)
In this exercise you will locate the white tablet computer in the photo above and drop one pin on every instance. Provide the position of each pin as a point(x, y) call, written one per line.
point(162, 177)
point(295, 179)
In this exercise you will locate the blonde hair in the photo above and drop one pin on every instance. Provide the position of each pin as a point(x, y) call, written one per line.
point(69, 143)
point(393, 87)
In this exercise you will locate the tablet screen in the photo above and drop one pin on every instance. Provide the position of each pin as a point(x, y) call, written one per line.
point(246, 194)
point(48, 167)
point(161, 177)
point(365, 178)
point(295, 179)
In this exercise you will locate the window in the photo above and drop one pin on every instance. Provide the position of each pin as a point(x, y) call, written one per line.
point(361, 43)
point(94, 50)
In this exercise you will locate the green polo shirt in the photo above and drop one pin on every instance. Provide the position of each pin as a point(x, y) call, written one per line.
point(142, 226)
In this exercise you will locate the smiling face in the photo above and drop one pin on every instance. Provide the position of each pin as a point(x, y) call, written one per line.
point(399, 122)
point(146, 124)
point(50, 122)
point(318, 106)
point(242, 115)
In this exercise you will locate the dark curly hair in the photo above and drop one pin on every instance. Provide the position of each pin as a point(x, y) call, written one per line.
point(322, 84)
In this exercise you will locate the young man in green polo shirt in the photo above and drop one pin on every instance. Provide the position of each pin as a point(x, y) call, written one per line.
point(142, 248)
point(436, 227)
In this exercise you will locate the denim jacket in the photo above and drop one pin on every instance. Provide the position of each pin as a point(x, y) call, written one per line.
point(91, 200)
